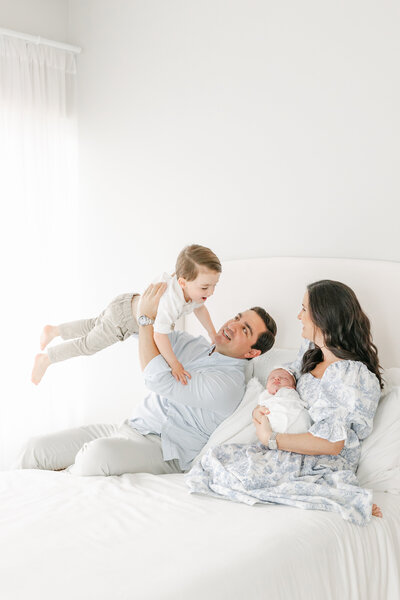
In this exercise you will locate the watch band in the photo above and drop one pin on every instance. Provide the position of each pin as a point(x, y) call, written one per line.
point(272, 443)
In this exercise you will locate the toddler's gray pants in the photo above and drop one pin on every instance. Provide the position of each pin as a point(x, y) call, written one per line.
point(115, 324)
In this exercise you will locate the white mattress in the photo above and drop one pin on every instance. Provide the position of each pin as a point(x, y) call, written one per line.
point(144, 537)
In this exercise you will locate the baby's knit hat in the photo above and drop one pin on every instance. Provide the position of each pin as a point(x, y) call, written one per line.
point(285, 369)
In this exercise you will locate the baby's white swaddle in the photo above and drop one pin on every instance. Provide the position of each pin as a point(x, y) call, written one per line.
point(287, 411)
point(288, 415)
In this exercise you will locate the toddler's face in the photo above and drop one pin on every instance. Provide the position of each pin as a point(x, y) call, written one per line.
point(202, 287)
point(279, 378)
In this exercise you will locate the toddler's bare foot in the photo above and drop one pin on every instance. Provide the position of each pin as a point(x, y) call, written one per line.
point(376, 511)
point(40, 365)
point(49, 333)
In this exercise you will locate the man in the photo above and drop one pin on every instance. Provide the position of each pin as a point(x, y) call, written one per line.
point(169, 428)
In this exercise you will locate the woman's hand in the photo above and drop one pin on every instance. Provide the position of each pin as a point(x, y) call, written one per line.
point(264, 430)
point(258, 413)
point(151, 298)
point(262, 424)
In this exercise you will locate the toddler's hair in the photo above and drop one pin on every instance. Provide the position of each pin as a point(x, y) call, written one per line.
point(195, 256)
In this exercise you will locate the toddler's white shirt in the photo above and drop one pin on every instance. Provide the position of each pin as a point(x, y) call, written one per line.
point(287, 411)
point(172, 305)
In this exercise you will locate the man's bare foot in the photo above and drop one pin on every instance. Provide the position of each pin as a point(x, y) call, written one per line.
point(49, 333)
point(40, 365)
point(376, 511)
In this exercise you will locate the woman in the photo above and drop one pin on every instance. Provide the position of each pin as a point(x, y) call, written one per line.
point(338, 375)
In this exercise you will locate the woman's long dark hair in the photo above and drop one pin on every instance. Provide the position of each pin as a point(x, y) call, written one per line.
point(346, 329)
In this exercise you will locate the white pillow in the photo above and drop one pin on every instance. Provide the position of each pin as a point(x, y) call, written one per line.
point(379, 466)
point(262, 365)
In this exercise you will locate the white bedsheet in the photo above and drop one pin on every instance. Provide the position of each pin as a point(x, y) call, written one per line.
point(144, 537)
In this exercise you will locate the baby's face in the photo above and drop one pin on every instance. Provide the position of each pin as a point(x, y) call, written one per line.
point(202, 287)
point(279, 378)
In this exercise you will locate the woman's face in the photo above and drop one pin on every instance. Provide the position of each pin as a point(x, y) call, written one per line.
point(309, 331)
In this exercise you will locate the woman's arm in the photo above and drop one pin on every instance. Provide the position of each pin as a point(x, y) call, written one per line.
point(204, 317)
point(301, 443)
point(307, 443)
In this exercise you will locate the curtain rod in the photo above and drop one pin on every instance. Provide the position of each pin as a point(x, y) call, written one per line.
point(36, 39)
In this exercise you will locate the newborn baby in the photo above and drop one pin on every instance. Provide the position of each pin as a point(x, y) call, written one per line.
point(287, 410)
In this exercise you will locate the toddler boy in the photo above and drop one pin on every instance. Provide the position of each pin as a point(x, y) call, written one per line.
point(197, 272)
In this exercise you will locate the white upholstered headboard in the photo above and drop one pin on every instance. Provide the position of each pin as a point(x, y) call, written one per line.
point(278, 285)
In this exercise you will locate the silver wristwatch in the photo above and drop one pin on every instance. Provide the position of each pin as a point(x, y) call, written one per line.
point(145, 320)
point(272, 443)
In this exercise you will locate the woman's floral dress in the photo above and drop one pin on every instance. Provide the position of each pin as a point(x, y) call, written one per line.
point(342, 406)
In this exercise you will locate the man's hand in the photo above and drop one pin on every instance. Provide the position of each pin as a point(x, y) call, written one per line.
point(150, 299)
point(178, 371)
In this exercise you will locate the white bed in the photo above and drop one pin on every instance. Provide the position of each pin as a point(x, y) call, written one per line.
point(144, 537)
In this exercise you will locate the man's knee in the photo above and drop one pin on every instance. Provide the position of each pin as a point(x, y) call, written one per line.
point(94, 458)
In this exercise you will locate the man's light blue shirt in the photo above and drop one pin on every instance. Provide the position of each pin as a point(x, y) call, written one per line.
point(186, 415)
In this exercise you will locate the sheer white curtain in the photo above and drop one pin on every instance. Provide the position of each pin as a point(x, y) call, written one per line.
point(38, 165)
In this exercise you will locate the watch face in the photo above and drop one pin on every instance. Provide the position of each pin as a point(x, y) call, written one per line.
point(143, 320)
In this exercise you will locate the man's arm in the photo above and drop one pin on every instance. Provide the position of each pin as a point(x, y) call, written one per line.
point(214, 389)
point(148, 306)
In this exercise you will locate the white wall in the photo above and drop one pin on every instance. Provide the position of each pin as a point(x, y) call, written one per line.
point(257, 128)
point(47, 18)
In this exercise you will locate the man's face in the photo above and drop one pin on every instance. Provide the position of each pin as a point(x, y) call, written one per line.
point(237, 336)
